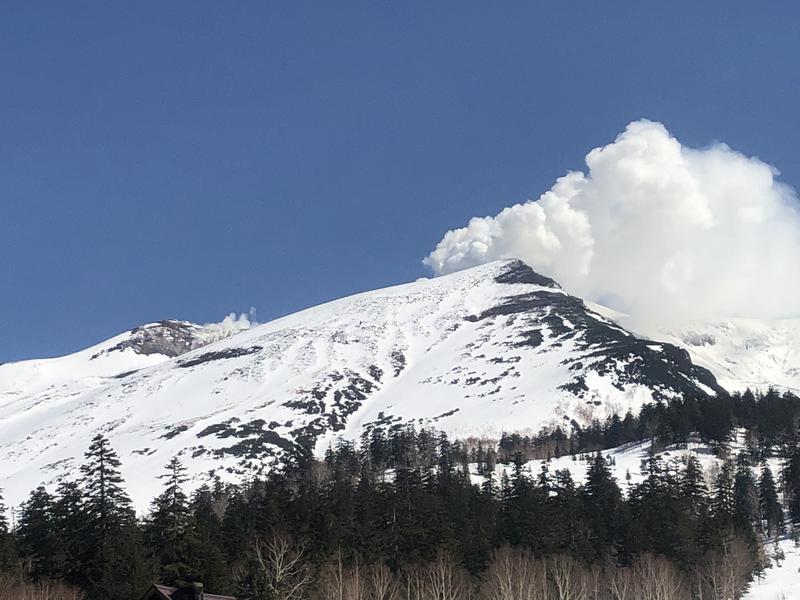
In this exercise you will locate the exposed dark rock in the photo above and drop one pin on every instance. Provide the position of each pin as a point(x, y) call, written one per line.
point(125, 374)
point(255, 441)
point(518, 272)
point(601, 346)
point(398, 362)
point(170, 338)
point(219, 355)
point(174, 432)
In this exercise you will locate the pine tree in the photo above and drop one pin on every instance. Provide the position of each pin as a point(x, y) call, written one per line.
point(771, 513)
point(7, 549)
point(116, 567)
point(169, 532)
point(69, 520)
point(723, 502)
point(107, 505)
point(745, 500)
point(603, 506)
point(791, 481)
point(693, 487)
point(37, 536)
point(207, 542)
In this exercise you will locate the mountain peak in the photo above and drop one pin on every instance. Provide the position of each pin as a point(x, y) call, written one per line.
point(517, 271)
point(475, 353)
point(169, 338)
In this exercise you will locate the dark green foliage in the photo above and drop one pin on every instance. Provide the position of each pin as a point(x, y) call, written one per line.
point(207, 541)
point(36, 534)
point(770, 511)
point(603, 508)
point(70, 524)
point(169, 532)
point(745, 501)
point(722, 503)
point(114, 563)
point(791, 479)
point(106, 503)
point(403, 495)
point(8, 553)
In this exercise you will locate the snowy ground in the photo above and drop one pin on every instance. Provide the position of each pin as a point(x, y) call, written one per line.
point(416, 353)
point(744, 353)
point(782, 580)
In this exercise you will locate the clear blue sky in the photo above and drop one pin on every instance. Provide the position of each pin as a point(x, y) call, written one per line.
point(188, 159)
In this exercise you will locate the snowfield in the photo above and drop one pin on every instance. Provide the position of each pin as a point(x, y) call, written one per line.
point(745, 353)
point(491, 349)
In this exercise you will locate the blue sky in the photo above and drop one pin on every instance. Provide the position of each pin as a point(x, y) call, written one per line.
point(189, 159)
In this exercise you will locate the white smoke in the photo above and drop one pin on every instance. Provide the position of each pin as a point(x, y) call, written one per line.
point(229, 326)
point(655, 229)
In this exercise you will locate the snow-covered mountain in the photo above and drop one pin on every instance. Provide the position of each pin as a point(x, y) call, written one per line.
point(493, 348)
point(744, 353)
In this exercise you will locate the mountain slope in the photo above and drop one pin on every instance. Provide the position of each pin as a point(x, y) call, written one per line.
point(493, 348)
point(742, 353)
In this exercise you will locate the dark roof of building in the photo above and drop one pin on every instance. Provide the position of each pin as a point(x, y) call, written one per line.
point(163, 592)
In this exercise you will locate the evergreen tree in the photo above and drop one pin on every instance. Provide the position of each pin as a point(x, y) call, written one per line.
point(169, 532)
point(7, 549)
point(37, 536)
point(69, 520)
point(693, 487)
point(603, 507)
point(745, 500)
point(116, 567)
point(107, 505)
point(207, 540)
point(723, 501)
point(791, 481)
point(771, 513)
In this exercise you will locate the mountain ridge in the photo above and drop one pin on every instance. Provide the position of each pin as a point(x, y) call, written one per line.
point(493, 348)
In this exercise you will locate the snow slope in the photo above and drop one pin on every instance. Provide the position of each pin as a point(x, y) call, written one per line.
point(493, 348)
point(744, 353)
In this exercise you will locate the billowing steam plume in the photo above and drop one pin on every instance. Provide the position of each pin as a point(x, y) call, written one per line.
point(658, 230)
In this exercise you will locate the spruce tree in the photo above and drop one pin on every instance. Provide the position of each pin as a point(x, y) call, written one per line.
point(37, 536)
point(116, 567)
point(745, 500)
point(791, 481)
point(7, 549)
point(723, 502)
point(69, 520)
point(207, 542)
point(771, 513)
point(693, 487)
point(169, 532)
point(603, 506)
point(107, 505)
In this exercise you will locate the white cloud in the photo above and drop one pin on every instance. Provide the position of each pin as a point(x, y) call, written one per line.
point(655, 229)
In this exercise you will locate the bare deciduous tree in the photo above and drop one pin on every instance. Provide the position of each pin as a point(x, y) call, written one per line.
point(656, 578)
point(382, 583)
point(566, 578)
point(621, 583)
point(514, 574)
point(282, 567)
point(443, 579)
point(724, 574)
point(39, 591)
point(340, 581)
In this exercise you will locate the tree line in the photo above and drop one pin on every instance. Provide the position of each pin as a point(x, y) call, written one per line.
point(397, 515)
